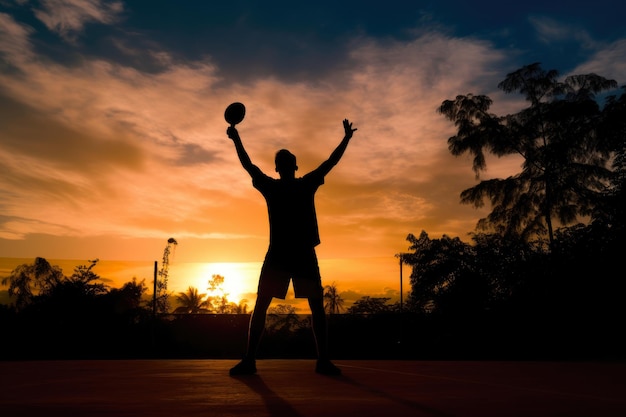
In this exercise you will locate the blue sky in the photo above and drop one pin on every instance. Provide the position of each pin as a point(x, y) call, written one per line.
point(112, 136)
point(305, 41)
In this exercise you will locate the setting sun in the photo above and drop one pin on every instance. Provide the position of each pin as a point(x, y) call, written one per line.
point(237, 281)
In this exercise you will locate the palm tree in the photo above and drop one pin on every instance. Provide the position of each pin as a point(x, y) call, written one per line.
point(333, 303)
point(242, 307)
point(191, 302)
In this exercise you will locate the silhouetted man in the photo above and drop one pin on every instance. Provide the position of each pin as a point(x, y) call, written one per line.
point(291, 253)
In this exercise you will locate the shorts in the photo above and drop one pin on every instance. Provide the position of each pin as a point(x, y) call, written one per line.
point(281, 266)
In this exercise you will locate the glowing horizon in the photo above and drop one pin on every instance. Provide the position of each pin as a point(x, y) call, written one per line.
point(354, 278)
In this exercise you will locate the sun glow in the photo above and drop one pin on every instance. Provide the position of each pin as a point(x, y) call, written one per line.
point(237, 281)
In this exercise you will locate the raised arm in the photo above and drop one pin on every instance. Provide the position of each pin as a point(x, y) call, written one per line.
point(241, 151)
point(327, 165)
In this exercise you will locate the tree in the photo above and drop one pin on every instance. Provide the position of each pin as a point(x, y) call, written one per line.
point(444, 275)
point(76, 296)
point(83, 281)
point(124, 308)
point(282, 318)
point(333, 303)
point(371, 305)
point(191, 302)
point(241, 308)
point(564, 160)
point(217, 301)
point(28, 280)
point(610, 213)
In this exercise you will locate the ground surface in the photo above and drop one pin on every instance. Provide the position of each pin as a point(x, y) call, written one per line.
point(290, 388)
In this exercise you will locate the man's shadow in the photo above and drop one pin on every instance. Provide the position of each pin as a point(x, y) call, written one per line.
point(409, 403)
point(276, 405)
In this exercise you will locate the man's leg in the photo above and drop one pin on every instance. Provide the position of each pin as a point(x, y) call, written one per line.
point(320, 331)
point(257, 325)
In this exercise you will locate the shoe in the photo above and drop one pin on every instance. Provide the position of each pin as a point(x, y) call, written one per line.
point(245, 367)
point(326, 367)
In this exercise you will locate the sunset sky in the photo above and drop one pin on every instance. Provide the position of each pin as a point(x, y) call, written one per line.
point(112, 135)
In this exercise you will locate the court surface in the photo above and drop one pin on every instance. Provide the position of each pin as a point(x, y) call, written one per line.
point(291, 388)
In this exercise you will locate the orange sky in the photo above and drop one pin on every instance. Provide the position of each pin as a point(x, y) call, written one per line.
point(101, 158)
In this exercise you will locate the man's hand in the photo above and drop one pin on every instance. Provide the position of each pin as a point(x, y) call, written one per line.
point(232, 133)
point(347, 126)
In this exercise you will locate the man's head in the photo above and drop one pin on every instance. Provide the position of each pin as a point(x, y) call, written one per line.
point(285, 163)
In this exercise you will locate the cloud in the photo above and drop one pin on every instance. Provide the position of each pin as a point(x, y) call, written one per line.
point(608, 62)
point(69, 17)
point(14, 40)
point(549, 31)
point(100, 148)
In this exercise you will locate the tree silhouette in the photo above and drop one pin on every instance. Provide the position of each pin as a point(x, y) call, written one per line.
point(564, 159)
point(370, 305)
point(443, 272)
point(610, 213)
point(82, 282)
point(282, 318)
point(217, 300)
point(191, 302)
point(127, 300)
point(333, 303)
point(28, 280)
point(241, 308)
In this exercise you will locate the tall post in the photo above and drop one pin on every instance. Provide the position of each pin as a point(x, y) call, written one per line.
point(401, 310)
point(154, 306)
point(154, 295)
point(400, 257)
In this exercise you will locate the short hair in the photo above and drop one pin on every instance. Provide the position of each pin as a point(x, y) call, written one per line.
point(285, 159)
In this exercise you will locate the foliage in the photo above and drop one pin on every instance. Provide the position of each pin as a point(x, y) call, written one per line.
point(128, 298)
point(333, 303)
point(241, 308)
point(282, 318)
point(28, 280)
point(82, 283)
point(191, 302)
point(444, 275)
point(41, 286)
point(161, 296)
point(561, 137)
point(367, 305)
point(613, 133)
point(217, 301)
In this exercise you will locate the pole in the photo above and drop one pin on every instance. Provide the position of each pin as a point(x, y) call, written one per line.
point(401, 310)
point(154, 305)
point(154, 295)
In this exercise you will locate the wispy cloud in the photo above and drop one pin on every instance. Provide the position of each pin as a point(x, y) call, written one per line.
point(608, 61)
point(69, 17)
point(549, 31)
point(14, 40)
